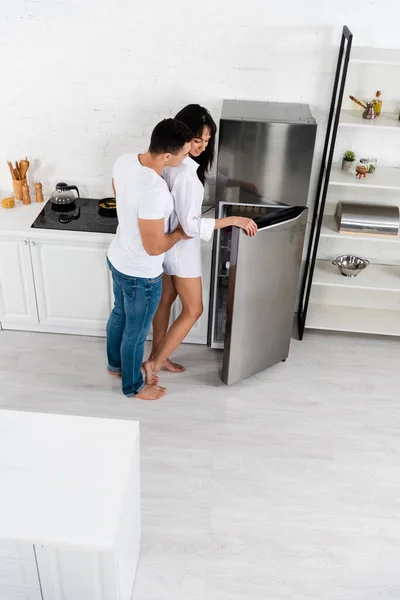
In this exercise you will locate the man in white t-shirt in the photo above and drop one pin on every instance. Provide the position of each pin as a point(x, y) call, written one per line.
point(136, 254)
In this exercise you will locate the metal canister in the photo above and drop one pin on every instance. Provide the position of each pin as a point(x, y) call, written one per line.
point(367, 219)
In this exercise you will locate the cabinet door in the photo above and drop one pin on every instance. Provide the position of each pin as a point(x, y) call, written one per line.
point(17, 289)
point(16, 550)
point(72, 285)
point(19, 573)
point(68, 574)
point(198, 333)
point(14, 593)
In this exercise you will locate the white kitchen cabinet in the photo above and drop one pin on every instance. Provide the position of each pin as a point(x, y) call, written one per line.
point(198, 333)
point(59, 282)
point(70, 505)
point(72, 285)
point(55, 285)
point(17, 288)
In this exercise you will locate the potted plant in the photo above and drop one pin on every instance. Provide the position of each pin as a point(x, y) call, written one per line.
point(348, 160)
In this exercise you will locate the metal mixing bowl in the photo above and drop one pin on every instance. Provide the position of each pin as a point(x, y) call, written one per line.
point(350, 266)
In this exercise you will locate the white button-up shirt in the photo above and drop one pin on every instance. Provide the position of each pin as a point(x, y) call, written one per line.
point(184, 259)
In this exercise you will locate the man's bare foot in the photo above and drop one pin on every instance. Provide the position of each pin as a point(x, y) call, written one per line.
point(115, 374)
point(151, 392)
point(172, 367)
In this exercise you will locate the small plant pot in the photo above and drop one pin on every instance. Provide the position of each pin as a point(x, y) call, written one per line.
point(348, 166)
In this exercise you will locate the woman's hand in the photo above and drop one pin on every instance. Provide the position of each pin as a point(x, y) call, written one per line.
point(247, 224)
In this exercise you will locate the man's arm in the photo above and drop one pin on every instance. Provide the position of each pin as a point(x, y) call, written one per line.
point(154, 240)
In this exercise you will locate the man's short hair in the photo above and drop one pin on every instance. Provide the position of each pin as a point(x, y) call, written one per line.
point(170, 135)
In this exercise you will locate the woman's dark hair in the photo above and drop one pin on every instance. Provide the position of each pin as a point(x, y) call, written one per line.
point(170, 135)
point(197, 117)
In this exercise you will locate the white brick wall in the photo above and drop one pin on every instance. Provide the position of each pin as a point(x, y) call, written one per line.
point(83, 80)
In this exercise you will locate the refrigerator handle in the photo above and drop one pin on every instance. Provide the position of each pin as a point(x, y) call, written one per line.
point(283, 222)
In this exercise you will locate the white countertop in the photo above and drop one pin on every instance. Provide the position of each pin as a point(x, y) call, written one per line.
point(19, 218)
point(16, 222)
point(63, 478)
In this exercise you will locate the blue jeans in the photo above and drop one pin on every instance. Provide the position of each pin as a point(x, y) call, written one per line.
point(136, 300)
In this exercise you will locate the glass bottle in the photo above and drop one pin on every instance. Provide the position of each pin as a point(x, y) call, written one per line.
point(378, 103)
point(372, 162)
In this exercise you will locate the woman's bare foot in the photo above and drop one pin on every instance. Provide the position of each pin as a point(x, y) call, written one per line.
point(115, 374)
point(149, 369)
point(172, 367)
point(154, 379)
point(151, 392)
point(168, 366)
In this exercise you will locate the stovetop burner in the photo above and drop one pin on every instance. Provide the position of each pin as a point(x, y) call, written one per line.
point(63, 208)
point(103, 220)
point(83, 215)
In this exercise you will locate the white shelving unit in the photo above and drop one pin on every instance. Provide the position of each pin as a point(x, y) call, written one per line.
point(356, 320)
point(384, 178)
point(375, 56)
point(353, 118)
point(385, 278)
point(370, 302)
point(329, 230)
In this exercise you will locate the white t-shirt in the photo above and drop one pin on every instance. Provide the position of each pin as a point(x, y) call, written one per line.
point(141, 194)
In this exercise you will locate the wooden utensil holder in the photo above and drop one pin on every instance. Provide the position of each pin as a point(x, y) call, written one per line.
point(17, 186)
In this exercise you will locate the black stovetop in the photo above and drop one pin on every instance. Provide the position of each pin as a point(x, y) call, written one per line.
point(83, 215)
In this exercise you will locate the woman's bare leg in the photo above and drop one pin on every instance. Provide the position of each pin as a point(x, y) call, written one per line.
point(161, 322)
point(190, 294)
point(161, 318)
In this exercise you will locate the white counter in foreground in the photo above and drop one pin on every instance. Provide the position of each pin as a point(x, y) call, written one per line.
point(69, 506)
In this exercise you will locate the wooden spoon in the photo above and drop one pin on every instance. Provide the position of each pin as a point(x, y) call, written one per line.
point(23, 168)
point(357, 101)
point(11, 169)
point(16, 171)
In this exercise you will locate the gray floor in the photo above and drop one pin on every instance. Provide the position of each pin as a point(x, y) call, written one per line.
point(284, 487)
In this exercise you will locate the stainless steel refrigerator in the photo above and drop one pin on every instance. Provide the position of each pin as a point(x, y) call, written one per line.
point(264, 165)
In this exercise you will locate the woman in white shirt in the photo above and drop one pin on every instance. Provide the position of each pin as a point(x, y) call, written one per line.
point(182, 264)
